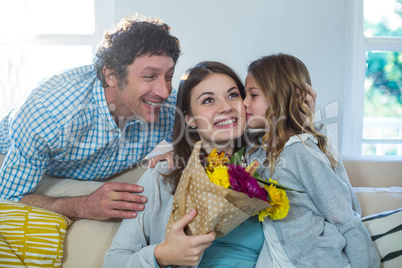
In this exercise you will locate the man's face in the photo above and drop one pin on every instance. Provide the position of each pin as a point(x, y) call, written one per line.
point(149, 84)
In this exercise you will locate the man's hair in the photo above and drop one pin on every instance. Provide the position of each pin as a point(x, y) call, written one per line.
point(133, 37)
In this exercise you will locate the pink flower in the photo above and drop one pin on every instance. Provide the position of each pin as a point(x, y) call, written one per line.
point(241, 181)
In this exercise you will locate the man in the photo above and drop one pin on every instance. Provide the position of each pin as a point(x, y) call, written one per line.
point(94, 121)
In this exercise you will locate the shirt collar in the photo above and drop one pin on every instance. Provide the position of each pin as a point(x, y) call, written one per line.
point(100, 100)
point(301, 138)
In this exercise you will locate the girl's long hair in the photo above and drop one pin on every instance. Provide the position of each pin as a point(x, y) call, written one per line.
point(184, 137)
point(278, 77)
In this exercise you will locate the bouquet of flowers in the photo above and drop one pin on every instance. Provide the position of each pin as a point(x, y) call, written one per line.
point(230, 173)
point(224, 194)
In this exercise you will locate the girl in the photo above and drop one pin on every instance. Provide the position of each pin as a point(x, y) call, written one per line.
point(210, 99)
point(323, 227)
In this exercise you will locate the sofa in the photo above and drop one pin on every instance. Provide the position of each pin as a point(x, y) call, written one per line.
point(376, 181)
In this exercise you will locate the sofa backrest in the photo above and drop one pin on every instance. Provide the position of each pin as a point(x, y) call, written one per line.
point(374, 172)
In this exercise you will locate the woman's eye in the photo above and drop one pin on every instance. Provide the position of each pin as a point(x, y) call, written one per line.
point(233, 95)
point(149, 77)
point(207, 100)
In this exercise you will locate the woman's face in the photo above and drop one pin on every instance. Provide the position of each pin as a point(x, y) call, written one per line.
point(217, 111)
point(256, 104)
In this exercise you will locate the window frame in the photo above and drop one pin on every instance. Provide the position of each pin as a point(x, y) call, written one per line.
point(355, 72)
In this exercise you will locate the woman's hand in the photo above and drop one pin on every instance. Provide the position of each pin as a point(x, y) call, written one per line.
point(162, 157)
point(179, 249)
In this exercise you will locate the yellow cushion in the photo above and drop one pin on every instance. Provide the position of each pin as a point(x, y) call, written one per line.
point(31, 236)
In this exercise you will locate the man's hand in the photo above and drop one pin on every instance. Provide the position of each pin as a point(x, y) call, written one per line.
point(179, 249)
point(162, 157)
point(111, 200)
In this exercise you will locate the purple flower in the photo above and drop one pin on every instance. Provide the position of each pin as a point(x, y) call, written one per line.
point(241, 181)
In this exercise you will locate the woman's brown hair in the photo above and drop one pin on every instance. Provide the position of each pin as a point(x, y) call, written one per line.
point(278, 77)
point(185, 137)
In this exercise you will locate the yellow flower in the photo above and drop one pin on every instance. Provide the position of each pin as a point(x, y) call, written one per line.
point(279, 202)
point(214, 159)
point(220, 176)
point(263, 214)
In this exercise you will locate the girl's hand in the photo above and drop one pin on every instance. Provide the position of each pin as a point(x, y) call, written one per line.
point(311, 98)
point(179, 249)
point(309, 103)
point(162, 157)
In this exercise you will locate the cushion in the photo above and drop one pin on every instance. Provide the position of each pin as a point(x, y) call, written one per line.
point(30, 236)
point(386, 232)
point(375, 200)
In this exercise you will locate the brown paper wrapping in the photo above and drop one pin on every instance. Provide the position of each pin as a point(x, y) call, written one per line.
point(218, 209)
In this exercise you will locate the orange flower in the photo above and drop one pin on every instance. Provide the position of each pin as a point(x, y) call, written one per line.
point(215, 160)
point(252, 167)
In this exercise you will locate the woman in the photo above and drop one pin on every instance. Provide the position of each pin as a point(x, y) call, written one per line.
point(210, 98)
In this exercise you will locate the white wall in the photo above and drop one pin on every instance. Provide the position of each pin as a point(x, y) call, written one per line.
point(236, 32)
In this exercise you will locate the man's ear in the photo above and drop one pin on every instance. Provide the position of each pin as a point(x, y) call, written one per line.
point(190, 121)
point(110, 77)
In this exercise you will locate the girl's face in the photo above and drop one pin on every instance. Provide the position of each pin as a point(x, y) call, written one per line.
point(217, 111)
point(256, 104)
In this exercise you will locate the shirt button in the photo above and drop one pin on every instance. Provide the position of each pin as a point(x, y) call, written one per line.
point(108, 158)
point(283, 242)
point(294, 262)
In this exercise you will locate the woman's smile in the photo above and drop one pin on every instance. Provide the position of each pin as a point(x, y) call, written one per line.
point(217, 110)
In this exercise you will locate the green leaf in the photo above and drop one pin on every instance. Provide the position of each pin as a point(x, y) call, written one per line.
point(236, 158)
point(267, 182)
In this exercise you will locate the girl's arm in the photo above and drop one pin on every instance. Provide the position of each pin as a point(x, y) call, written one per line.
point(334, 199)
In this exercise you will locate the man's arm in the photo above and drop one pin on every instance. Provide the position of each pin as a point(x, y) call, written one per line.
point(34, 135)
point(111, 200)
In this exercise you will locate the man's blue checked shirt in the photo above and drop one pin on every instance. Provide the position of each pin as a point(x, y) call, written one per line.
point(65, 129)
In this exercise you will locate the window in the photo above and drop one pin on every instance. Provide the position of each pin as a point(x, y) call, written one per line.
point(382, 123)
point(42, 37)
point(373, 96)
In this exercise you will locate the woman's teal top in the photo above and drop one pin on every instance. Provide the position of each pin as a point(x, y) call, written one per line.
point(239, 248)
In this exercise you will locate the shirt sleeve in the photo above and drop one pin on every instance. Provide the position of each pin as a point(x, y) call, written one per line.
point(335, 200)
point(33, 132)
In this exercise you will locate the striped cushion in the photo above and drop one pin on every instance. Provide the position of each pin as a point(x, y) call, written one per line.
point(386, 232)
point(30, 236)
